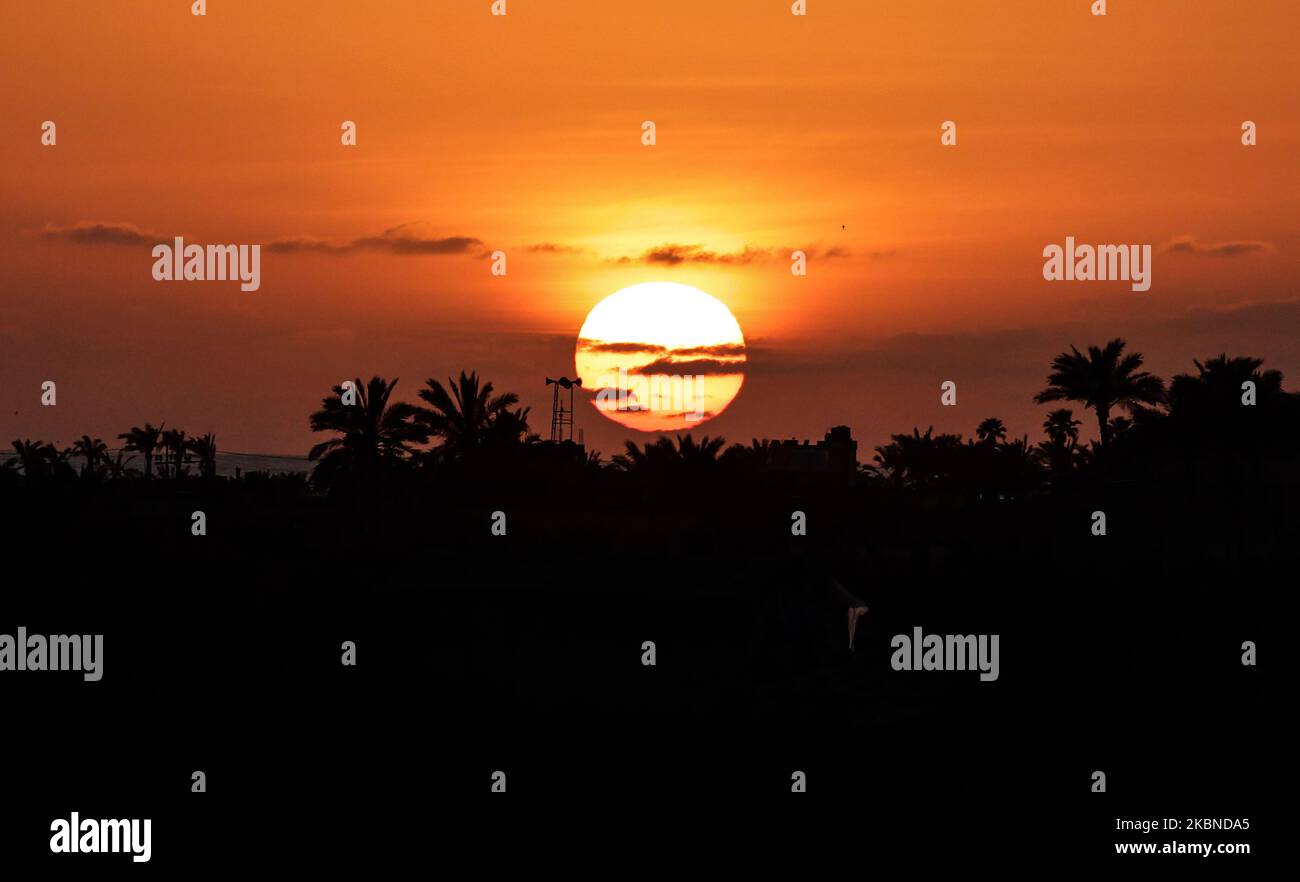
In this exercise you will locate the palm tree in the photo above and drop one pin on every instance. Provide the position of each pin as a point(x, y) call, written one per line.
point(702, 453)
point(663, 455)
point(1017, 467)
point(1062, 428)
point(374, 434)
point(93, 451)
point(36, 458)
point(654, 455)
point(143, 440)
point(755, 456)
point(1062, 431)
point(991, 431)
point(119, 468)
point(468, 418)
point(920, 459)
point(205, 448)
point(1217, 387)
point(1208, 416)
point(174, 442)
point(1103, 379)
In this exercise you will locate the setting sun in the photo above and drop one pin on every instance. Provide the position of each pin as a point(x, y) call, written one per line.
point(661, 356)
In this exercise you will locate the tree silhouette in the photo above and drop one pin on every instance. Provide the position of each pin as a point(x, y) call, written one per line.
point(1103, 379)
point(920, 460)
point(469, 420)
point(753, 457)
point(374, 435)
point(1016, 466)
point(1062, 428)
point(205, 448)
point(119, 467)
point(991, 431)
point(1062, 431)
point(174, 443)
point(143, 439)
point(37, 459)
point(1209, 417)
point(93, 452)
point(663, 456)
point(1214, 393)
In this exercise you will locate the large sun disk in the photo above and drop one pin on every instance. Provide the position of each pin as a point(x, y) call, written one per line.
point(661, 356)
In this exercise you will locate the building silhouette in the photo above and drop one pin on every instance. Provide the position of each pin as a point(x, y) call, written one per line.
point(837, 453)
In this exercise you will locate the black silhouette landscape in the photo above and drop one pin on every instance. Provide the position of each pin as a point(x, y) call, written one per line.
point(482, 651)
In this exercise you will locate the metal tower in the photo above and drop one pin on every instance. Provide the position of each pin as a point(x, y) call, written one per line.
point(562, 417)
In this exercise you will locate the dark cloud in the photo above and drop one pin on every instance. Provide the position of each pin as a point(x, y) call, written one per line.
point(623, 348)
point(403, 240)
point(673, 254)
point(692, 366)
point(555, 248)
point(103, 233)
point(715, 349)
point(398, 242)
point(682, 414)
point(1190, 245)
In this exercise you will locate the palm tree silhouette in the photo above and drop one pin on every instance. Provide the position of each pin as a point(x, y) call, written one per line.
point(173, 441)
point(468, 418)
point(373, 434)
point(1016, 465)
point(755, 456)
point(663, 455)
point(991, 431)
point(93, 451)
point(1103, 379)
point(143, 439)
point(36, 458)
point(918, 459)
point(1062, 428)
point(119, 467)
point(1062, 431)
point(1217, 386)
point(205, 448)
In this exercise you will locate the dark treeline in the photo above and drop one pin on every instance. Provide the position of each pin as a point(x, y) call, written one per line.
point(1229, 421)
point(531, 639)
point(1200, 465)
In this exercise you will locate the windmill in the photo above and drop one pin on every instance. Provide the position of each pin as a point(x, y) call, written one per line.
point(560, 415)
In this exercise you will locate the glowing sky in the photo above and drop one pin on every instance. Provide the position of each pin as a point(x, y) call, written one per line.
point(522, 134)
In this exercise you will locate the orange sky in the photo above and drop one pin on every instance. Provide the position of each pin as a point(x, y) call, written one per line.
point(775, 132)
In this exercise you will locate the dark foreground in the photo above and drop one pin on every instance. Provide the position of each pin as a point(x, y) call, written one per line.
point(523, 654)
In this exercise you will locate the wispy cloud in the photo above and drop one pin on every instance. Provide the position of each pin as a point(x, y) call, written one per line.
point(622, 348)
point(717, 350)
point(712, 366)
point(673, 254)
point(405, 239)
point(556, 248)
point(1191, 245)
point(102, 233)
point(722, 349)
